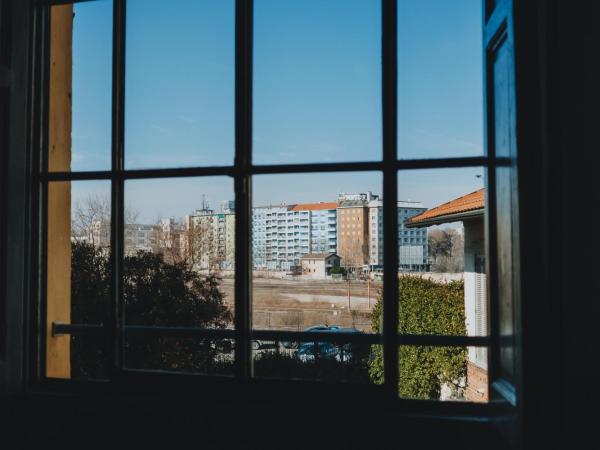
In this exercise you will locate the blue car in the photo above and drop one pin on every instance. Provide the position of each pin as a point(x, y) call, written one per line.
point(341, 352)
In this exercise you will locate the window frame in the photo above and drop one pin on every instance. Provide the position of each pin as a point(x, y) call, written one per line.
point(241, 171)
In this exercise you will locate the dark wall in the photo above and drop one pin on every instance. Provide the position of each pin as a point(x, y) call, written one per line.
point(576, 137)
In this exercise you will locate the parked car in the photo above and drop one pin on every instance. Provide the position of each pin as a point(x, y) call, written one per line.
point(341, 352)
point(294, 344)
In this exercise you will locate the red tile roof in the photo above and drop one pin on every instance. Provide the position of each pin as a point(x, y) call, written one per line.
point(467, 203)
point(314, 206)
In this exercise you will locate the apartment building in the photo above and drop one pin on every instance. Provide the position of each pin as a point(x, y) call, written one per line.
point(323, 225)
point(210, 239)
point(288, 237)
point(283, 234)
point(412, 243)
point(353, 228)
point(259, 237)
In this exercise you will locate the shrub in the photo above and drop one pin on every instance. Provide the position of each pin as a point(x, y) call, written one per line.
point(156, 293)
point(425, 307)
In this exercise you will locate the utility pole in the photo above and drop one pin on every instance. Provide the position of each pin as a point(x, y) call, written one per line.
point(348, 282)
point(369, 287)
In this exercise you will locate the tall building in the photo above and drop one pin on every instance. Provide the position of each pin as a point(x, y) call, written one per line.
point(376, 234)
point(353, 228)
point(210, 239)
point(259, 237)
point(412, 243)
point(228, 207)
point(323, 225)
point(288, 237)
point(283, 234)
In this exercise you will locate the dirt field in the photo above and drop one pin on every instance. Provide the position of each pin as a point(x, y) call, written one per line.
point(297, 304)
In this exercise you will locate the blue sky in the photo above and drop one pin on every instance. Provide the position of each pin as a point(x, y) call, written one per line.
point(317, 95)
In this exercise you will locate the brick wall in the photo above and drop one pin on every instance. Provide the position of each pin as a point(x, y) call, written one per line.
point(477, 383)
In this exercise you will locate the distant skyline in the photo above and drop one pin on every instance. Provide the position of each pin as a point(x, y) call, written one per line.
point(161, 198)
point(317, 96)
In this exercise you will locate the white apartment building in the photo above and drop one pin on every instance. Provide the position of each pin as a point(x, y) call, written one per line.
point(259, 237)
point(288, 237)
point(282, 234)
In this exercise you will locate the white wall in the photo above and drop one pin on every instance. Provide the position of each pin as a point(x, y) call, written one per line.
point(474, 302)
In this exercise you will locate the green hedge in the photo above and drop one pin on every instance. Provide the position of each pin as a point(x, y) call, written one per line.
point(426, 307)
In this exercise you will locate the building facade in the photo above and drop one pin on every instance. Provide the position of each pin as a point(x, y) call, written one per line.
point(287, 237)
point(470, 210)
point(282, 234)
point(210, 239)
point(319, 265)
point(353, 229)
point(140, 236)
point(323, 225)
point(412, 243)
point(259, 237)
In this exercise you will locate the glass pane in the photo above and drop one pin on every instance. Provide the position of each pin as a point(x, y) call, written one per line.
point(317, 81)
point(441, 373)
point(506, 240)
point(311, 266)
point(180, 354)
point(179, 86)
point(440, 73)
point(81, 86)
point(441, 251)
point(179, 266)
point(323, 361)
point(78, 275)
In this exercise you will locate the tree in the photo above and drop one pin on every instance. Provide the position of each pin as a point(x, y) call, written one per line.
point(91, 220)
point(354, 255)
point(167, 238)
point(155, 293)
point(446, 249)
point(201, 244)
point(426, 307)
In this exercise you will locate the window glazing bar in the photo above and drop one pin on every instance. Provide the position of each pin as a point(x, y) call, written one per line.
point(390, 195)
point(438, 163)
point(279, 335)
point(242, 184)
point(114, 337)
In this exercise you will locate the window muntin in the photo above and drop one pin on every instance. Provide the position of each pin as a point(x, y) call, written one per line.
point(242, 173)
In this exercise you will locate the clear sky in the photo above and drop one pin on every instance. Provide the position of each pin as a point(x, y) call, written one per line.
point(317, 96)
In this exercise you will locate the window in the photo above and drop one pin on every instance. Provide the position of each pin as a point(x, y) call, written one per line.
point(158, 140)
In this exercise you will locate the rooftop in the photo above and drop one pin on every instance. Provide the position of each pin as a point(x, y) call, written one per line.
point(469, 205)
point(314, 206)
point(318, 255)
